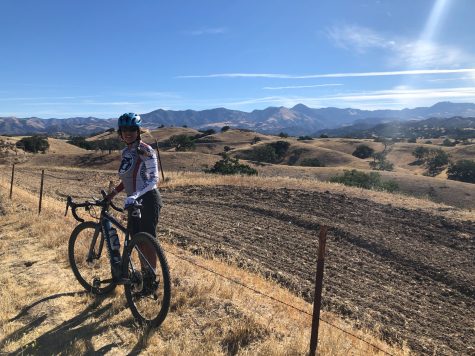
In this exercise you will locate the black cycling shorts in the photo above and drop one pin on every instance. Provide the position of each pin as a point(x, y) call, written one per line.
point(150, 214)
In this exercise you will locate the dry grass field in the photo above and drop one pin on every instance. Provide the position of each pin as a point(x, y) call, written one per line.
point(44, 311)
point(399, 266)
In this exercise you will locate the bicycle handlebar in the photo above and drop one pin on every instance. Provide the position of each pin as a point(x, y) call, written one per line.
point(105, 202)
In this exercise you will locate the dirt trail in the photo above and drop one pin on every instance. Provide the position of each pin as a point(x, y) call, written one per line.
point(408, 272)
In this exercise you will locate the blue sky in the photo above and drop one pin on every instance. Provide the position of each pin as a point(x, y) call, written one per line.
point(101, 58)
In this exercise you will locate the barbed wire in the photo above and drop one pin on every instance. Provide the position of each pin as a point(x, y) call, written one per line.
point(276, 300)
point(63, 178)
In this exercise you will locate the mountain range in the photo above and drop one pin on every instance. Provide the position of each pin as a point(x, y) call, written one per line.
point(298, 120)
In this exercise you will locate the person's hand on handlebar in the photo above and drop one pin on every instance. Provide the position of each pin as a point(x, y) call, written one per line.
point(129, 201)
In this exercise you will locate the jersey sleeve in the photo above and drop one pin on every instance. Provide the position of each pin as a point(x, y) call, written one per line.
point(149, 159)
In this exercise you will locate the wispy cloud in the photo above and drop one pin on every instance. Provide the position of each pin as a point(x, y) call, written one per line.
point(332, 75)
point(207, 31)
point(450, 79)
point(357, 38)
point(396, 98)
point(401, 52)
point(302, 86)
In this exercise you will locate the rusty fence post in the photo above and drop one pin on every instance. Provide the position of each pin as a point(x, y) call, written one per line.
point(317, 299)
point(11, 182)
point(41, 190)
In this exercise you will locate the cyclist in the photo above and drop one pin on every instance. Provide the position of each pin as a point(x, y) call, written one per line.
point(138, 172)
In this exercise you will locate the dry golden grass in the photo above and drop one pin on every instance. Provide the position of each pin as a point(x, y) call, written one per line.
point(41, 313)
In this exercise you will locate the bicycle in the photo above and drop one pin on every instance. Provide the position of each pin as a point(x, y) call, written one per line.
point(142, 269)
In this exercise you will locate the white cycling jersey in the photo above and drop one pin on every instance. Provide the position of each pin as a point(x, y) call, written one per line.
point(138, 169)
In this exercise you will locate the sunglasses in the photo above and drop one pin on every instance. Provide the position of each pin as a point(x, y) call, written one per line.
point(128, 129)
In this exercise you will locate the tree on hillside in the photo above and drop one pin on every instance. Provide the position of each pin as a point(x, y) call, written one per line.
point(225, 128)
point(420, 153)
point(436, 162)
point(463, 170)
point(363, 151)
point(181, 142)
point(35, 144)
point(380, 162)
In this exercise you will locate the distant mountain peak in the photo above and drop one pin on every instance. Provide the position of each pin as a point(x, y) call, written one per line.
point(300, 106)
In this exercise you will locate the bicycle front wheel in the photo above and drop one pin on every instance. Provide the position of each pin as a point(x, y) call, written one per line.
point(148, 289)
point(89, 258)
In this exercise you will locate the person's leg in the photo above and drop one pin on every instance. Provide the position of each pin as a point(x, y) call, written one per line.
point(148, 223)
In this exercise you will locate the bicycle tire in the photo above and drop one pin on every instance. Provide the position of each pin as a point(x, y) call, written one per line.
point(158, 304)
point(85, 272)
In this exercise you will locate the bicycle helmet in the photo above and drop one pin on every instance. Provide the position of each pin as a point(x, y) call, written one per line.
point(130, 119)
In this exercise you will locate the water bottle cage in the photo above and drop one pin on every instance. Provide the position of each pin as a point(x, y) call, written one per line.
point(136, 213)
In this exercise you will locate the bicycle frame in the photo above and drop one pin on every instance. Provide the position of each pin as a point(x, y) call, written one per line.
point(106, 216)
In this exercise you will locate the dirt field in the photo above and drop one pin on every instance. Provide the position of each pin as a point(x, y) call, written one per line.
point(409, 272)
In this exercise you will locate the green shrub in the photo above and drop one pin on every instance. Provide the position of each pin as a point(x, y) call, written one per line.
point(312, 162)
point(283, 135)
point(360, 179)
point(463, 171)
point(35, 144)
point(323, 136)
point(228, 165)
point(363, 151)
point(305, 138)
point(225, 128)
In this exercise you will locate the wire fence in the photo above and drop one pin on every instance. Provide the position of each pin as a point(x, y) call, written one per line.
point(254, 290)
point(276, 300)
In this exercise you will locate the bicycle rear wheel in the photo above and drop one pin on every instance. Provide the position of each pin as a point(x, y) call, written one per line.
point(89, 258)
point(148, 293)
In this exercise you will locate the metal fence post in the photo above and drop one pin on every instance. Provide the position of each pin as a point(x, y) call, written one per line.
point(41, 190)
point(11, 183)
point(317, 299)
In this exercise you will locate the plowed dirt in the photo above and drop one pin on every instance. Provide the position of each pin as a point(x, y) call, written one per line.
point(408, 272)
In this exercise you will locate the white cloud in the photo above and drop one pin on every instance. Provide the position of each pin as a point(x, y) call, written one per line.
point(428, 54)
point(357, 38)
point(302, 86)
point(332, 75)
point(401, 52)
